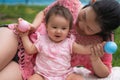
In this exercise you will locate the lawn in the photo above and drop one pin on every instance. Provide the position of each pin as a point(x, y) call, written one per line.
point(10, 14)
point(116, 56)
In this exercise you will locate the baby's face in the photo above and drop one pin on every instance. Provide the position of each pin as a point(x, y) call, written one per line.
point(57, 28)
point(86, 22)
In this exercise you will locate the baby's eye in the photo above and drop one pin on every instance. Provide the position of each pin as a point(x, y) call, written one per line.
point(54, 27)
point(64, 28)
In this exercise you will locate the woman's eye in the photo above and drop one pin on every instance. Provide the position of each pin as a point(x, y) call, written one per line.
point(89, 29)
point(84, 16)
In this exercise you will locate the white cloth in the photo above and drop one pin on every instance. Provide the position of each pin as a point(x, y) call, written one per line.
point(115, 75)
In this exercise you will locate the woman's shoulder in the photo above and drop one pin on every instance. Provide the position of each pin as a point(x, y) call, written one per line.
point(84, 39)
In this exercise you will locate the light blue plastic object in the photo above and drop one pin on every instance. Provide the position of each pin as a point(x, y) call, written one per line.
point(110, 47)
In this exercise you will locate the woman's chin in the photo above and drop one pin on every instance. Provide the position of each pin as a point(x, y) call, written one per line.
point(82, 33)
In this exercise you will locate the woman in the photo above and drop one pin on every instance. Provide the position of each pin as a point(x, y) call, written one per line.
point(93, 25)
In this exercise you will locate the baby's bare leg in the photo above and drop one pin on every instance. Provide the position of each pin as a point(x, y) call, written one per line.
point(8, 46)
point(11, 72)
point(74, 76)
point(36, 77)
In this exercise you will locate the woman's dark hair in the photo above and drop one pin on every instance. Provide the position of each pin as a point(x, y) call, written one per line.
point(108, 16)
point(59, 10)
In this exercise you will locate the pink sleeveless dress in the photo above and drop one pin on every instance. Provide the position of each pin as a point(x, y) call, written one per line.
point(77, 60)
point(53, 59)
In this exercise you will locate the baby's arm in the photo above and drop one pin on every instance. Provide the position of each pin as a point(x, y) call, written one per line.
point(80, 49)
point(28, 45)
point(23, 29)
point(94, 49)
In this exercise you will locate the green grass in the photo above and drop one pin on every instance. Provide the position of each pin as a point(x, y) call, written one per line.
point(10, 14)
point(116, 56)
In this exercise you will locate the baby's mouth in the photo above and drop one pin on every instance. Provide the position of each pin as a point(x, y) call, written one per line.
point(57, 36)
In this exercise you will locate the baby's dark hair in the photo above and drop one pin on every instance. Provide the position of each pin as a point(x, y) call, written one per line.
point(62, 11)
point(108, 15)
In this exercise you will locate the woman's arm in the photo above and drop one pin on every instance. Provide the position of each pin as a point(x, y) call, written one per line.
point(40, 16)
point(38, 19)
point(95, 51)
point(100, 67)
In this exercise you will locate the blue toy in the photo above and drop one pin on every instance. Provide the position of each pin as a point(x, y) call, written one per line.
point(110, 47)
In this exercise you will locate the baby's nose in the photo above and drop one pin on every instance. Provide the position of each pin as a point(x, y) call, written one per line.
point(58, 31)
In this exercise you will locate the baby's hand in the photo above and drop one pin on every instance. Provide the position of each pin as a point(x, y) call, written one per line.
point(23, 25)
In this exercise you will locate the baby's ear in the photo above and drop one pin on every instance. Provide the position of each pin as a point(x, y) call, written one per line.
point(92, 1)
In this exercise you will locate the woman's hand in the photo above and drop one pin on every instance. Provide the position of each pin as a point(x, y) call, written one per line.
point(99, 68)
point(97, 51)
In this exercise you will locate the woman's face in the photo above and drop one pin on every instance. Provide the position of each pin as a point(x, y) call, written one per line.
point(86, 22)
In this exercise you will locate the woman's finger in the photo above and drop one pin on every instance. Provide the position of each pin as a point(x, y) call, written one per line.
point(92, 51)
point(100, 50)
